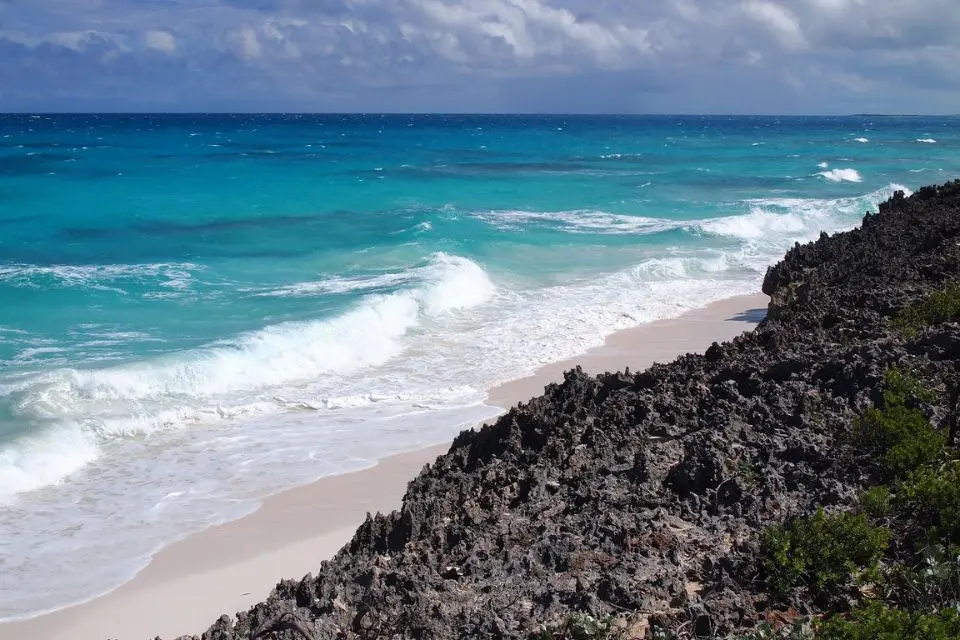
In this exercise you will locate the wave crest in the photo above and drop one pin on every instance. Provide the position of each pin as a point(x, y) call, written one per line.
point(225, 379)
point(798, 218)
point(771, 218)
point(842, 175)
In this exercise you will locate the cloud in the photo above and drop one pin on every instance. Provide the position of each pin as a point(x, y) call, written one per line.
point(247, 44)
point(78, 40)
point(162, 41)
point(532, 29)
point(779, 20)
point(501, 55)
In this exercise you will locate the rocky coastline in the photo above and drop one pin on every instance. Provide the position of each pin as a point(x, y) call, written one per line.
point(650, 504)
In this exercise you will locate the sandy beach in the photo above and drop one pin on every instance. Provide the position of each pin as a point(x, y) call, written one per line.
point(294, 531)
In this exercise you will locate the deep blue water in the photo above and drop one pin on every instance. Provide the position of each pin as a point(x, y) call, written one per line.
point(186, 300)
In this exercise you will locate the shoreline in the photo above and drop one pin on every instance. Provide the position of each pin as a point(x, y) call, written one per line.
point(316, 520)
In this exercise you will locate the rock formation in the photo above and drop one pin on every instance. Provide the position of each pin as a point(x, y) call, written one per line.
point(641, 497)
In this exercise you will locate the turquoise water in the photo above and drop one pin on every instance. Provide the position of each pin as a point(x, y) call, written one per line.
point(197, 311)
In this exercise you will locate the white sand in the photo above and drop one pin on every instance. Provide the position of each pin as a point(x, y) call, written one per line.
point(229, 568)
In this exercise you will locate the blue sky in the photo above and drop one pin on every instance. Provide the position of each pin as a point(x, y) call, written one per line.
point(621, 56)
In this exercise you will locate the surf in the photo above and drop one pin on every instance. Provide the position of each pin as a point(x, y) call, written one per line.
point(74, 411)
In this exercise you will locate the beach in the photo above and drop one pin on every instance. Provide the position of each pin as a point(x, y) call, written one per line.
point(180, 591)
point(449, 319)
point(155, 352)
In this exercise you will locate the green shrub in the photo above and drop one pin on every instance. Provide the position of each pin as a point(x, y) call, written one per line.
point(876, 621)
point(799, 630)
point(820, 551)
point(875, 502)
point(901, 438)
point(931, 496)
point(579, 626)
point(938, 307)
point(586, 627)
point(898, 434)
point(900, 387)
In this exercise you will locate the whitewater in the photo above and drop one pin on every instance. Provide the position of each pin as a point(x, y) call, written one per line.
point(200, 311)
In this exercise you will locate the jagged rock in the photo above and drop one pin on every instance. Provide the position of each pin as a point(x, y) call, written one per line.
point(644, 494)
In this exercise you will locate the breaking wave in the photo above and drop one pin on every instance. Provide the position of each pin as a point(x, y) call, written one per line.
point(82, 408)
point(776, 220)
point(842, 175)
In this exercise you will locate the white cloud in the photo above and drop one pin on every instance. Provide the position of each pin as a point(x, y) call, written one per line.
point(753, 58)
point(247, 44)
point(529, 29)
point(691, 50)
point(281, 28)
point(687, 10)
point(779, 20)
point(837, 5)
point(81, 40)
point(162, 41)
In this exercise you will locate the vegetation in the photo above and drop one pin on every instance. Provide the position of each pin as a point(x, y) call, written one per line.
point(586, 627)
point(897, 434)
point(580, 626)
point(911, 594)
point(912, 600)
point(821, 551)
point(938, 307)
point(931, 498)
point(801, 630)
point(876, 502)
point(902, 439)
point(901, 387)
point(931, 584)
point(875, 621)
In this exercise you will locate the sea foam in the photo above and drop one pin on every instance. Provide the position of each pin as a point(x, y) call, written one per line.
point(86, 407)
point(779, 221)
point(842, 175)
point(107, 277)
point(578, 221)
point(406, 365)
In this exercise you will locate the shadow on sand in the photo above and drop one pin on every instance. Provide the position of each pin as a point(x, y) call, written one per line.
point(750, 315)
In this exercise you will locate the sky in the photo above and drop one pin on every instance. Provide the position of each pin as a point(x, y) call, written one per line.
point(481, 56)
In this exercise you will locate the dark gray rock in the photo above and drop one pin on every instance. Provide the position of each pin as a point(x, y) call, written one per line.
point(646, 493)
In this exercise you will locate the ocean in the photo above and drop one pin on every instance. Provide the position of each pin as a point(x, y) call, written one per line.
point(197, 311)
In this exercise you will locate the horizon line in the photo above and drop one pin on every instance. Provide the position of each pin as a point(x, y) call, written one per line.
point(483, 113)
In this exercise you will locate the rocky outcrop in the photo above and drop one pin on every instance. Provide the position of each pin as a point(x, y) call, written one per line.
point(644, 494)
